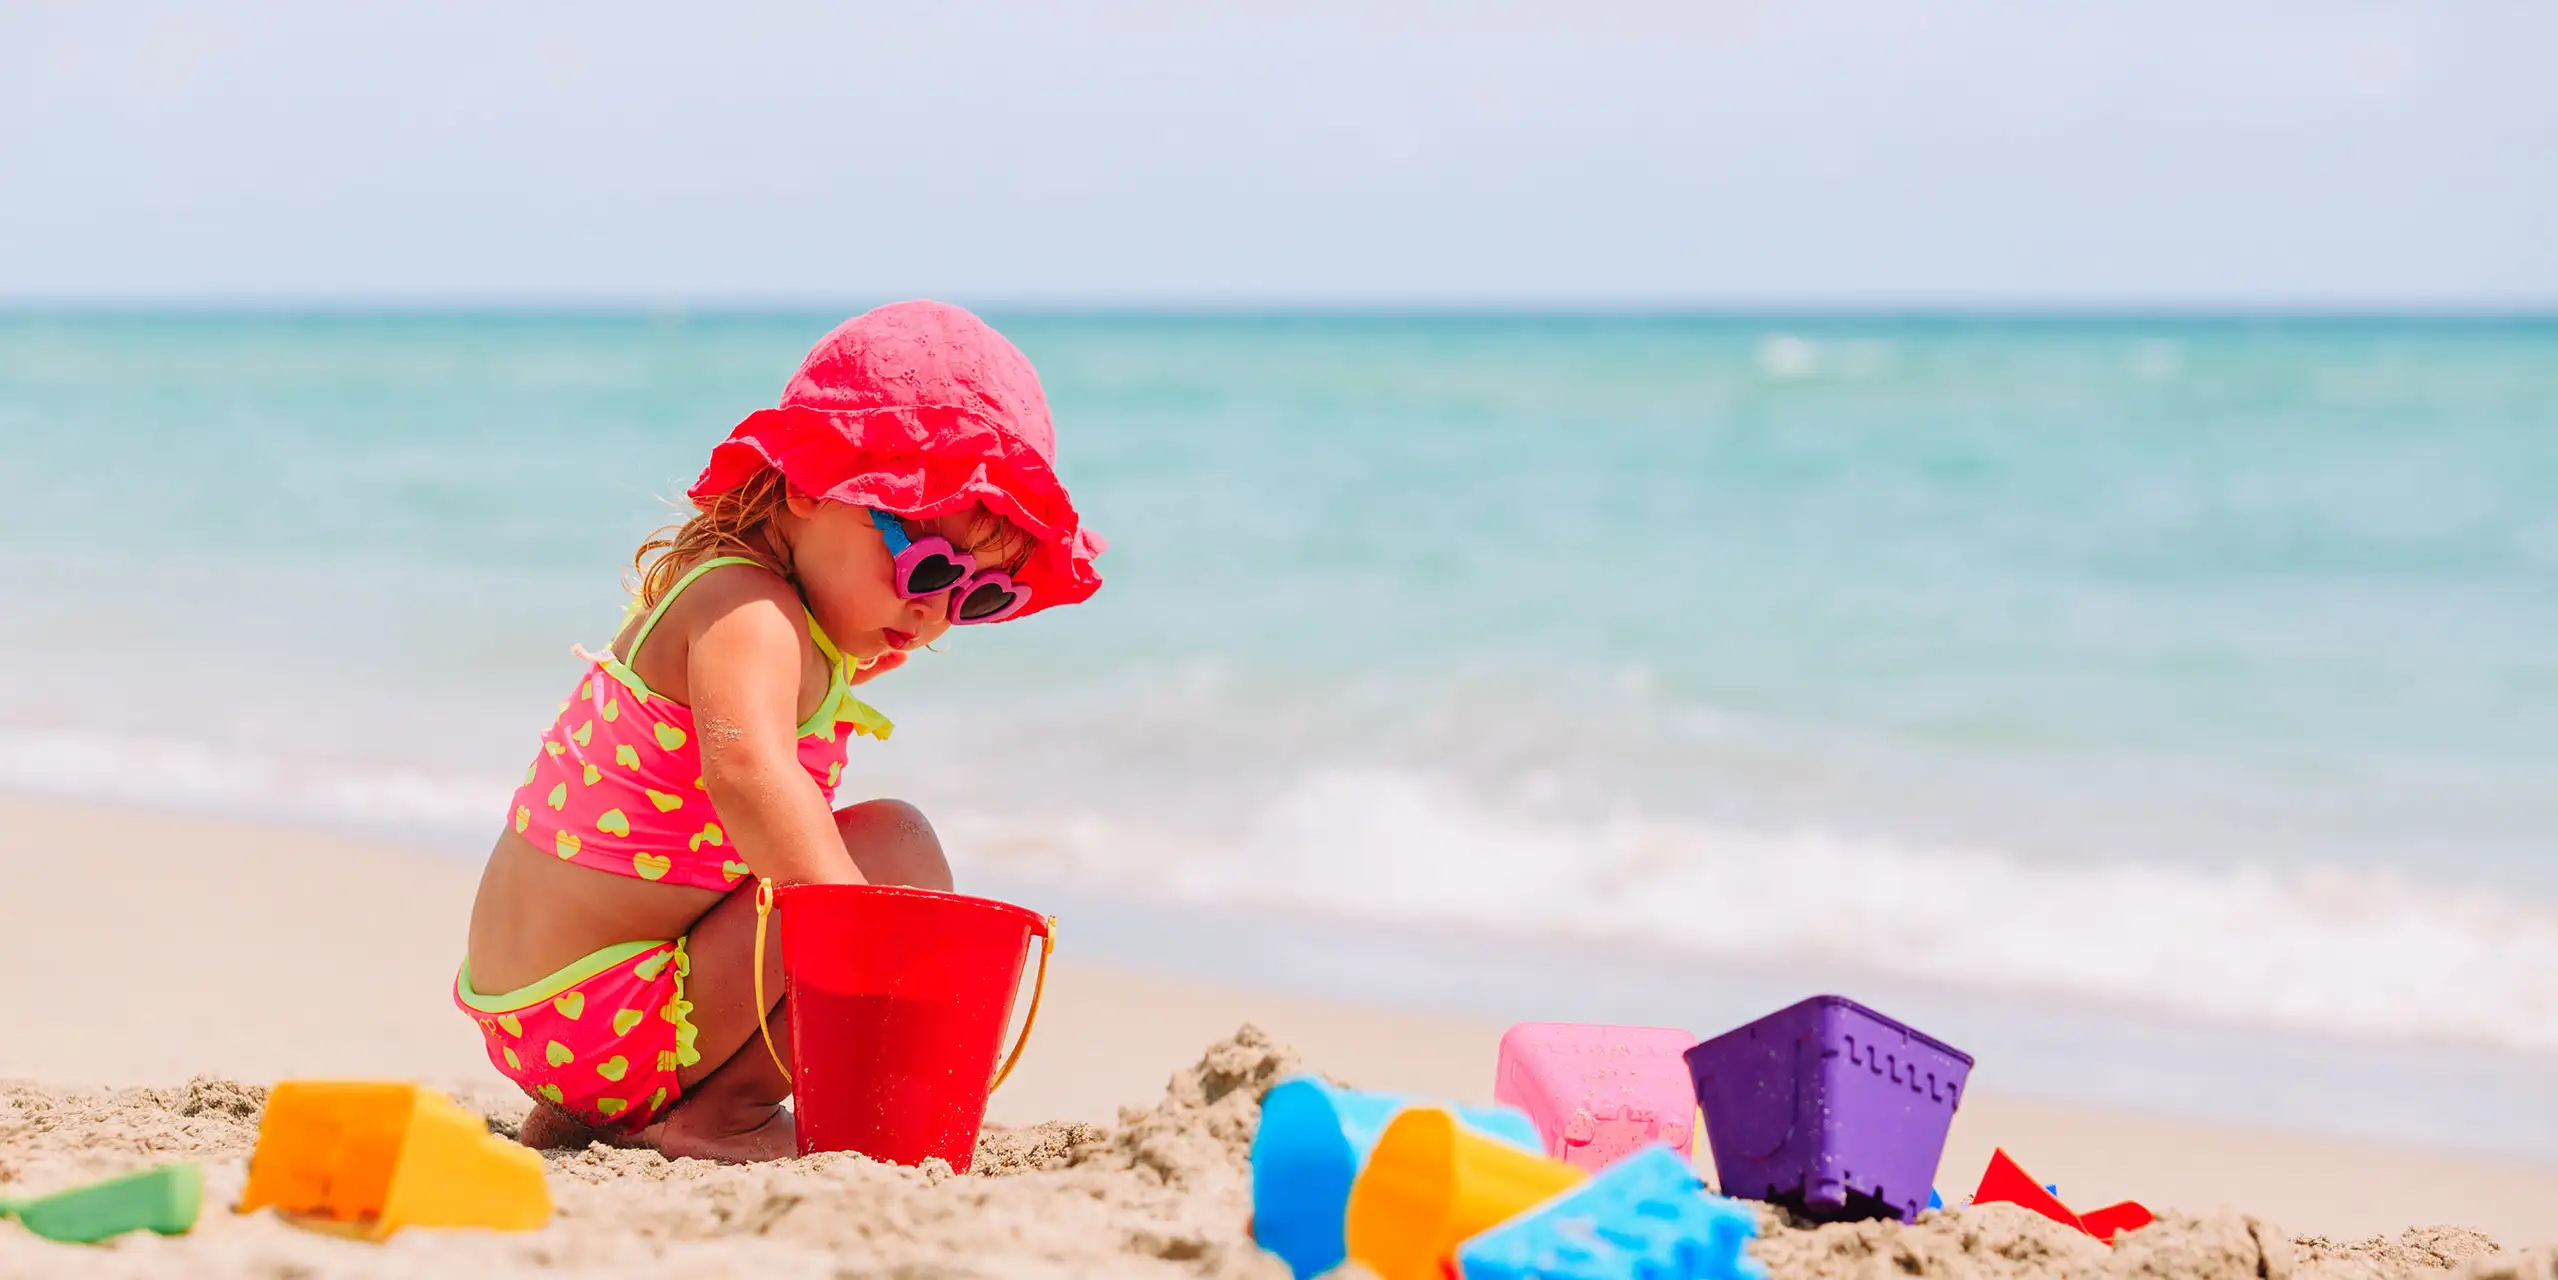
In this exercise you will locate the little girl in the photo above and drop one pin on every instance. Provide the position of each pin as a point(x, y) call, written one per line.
point(906, 484)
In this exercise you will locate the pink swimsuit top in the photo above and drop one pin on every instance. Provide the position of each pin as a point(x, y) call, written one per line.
point(618, 784)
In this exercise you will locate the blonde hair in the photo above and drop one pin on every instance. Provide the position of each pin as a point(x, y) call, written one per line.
point(997, 543)
point(719, 525)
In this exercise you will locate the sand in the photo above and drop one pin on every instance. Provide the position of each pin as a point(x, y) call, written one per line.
point(201, 955)
point(1164, 1191)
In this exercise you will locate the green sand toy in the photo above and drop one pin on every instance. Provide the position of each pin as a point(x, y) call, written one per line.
point(165, 1200)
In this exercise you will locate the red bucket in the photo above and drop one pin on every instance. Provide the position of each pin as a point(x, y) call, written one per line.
point(898, 1002)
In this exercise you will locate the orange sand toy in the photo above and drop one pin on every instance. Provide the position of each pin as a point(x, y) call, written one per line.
point(365, 1158)
point(1432, 1184)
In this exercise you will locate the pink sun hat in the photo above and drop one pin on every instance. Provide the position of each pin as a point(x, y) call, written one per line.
point(921, 409)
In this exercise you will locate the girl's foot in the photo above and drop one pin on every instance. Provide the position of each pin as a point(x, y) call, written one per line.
point(548, 1128)
point(741, 1135)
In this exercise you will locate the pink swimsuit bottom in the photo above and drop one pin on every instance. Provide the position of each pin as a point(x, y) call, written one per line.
point(601, 1039)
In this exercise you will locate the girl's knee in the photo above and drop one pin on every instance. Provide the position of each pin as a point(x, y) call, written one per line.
point(892, 843)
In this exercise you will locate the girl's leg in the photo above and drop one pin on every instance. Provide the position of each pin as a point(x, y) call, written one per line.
point(732, 1103)
point(892, 844)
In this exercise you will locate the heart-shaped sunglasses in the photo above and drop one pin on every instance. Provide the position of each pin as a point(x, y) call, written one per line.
point(932, 566)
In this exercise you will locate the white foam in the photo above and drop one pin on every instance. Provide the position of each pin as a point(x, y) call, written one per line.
point(1786, 357)
point(2353, 953)
point(2364, 953)
point(187, 775)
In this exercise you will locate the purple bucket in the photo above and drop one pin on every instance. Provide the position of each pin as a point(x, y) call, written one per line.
point(1828, 1108)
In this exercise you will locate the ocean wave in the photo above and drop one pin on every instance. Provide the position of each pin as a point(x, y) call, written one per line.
point(163, 773)
point(1787, 357)
point(2323, 950)
point(2366, 953)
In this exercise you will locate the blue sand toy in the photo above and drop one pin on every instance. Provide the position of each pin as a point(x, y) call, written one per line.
point(1646, 1217)
point(1314, 1139)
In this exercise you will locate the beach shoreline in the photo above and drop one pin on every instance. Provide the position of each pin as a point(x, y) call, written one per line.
point(192, 947)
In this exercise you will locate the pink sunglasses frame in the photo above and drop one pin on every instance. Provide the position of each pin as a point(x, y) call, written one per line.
point(909, 555)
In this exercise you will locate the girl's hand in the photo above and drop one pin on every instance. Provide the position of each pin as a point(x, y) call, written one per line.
point(882, 665)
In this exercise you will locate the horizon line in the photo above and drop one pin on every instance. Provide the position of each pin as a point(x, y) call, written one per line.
point(1239, 308)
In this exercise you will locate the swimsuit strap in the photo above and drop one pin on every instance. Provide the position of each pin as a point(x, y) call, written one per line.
point(825, 645)
point(641, 636)
point(839, 678)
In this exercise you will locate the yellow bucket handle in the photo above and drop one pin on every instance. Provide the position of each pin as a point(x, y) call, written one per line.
point(764, 909)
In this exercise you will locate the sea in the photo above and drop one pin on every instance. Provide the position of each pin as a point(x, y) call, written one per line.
point(2163, 708)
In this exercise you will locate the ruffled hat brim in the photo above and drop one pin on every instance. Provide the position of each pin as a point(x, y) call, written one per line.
point(919, 462)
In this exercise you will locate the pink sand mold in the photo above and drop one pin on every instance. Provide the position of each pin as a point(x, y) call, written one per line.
point(1598, 1093)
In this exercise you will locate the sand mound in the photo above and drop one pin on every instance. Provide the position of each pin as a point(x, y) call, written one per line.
point(2004, 1242)
point(1163, 1192)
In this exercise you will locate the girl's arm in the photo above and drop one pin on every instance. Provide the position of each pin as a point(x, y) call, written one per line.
point(744, 673)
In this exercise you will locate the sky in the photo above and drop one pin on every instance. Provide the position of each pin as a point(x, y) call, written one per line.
point(1857, 153)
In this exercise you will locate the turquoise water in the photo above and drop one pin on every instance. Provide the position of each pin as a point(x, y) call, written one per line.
point(2199, 667)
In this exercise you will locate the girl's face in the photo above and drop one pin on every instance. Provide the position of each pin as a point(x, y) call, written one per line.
point(844, 570)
